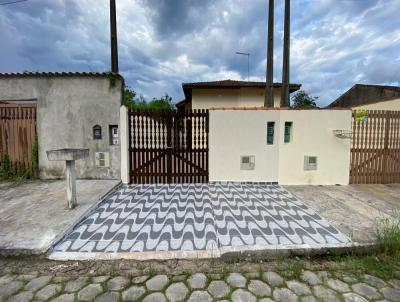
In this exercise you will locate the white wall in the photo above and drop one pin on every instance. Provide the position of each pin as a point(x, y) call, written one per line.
point(243, 132)
point(313, 135)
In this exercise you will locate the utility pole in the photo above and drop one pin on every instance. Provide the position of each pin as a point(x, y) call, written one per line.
point(269, 92)
point(285, 100)
point(114, 39)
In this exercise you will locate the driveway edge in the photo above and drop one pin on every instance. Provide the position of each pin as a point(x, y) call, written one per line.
point(227, 253)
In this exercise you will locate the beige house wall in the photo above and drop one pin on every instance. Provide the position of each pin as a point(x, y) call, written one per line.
point(388, 105)
point(243, 97)
point(234, 133)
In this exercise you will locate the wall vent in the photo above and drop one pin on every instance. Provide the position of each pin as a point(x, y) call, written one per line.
point(102, 159)
point(310, 163)
point(247, 162)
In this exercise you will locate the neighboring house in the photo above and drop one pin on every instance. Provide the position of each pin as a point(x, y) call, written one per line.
point(228, 93)
point(369, 97)
point(74, 110)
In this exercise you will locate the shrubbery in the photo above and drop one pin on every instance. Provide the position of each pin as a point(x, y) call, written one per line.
point(15, 171)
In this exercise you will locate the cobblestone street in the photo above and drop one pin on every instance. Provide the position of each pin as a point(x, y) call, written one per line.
point(258, 285)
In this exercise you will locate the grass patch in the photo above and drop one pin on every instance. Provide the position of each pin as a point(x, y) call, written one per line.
point(151, 271)
point(384, 264)
point(388, 235)
point(380, 265)
point(291, 268)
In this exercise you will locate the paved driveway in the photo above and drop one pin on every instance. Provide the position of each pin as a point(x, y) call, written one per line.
point(199, 217)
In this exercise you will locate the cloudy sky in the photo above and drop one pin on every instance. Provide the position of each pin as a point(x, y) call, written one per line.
point(162, 43)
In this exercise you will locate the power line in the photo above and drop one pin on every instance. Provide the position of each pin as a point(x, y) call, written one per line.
point(13, 2)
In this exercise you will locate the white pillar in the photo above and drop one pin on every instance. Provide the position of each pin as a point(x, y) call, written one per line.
point(124, 132)
point(70, 176)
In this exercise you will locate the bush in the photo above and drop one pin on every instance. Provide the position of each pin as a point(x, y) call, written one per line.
point(19, 171)
point(5, 166)
point(34, 165)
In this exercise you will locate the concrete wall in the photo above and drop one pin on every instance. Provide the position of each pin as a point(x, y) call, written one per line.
point(243, 97)
point(234, 133)
point(387, 105)
point(68, 108)
point(243, 132)
point(313, 136)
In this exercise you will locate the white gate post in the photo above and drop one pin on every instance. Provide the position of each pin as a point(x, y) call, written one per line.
point(70, 176)
point(124, 132)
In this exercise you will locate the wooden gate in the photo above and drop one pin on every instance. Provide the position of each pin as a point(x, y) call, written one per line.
point(17, 133)
point(375, 151)
point(168, 146)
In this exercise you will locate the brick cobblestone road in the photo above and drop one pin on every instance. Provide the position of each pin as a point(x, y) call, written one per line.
point(262, 286)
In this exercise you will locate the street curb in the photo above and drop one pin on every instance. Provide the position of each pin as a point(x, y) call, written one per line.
point(278, 252)
point(272, 252)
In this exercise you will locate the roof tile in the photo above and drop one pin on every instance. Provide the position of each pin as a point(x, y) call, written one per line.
point(54, 74)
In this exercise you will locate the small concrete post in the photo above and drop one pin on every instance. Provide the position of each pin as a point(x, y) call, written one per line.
point(70, 176)
point(69, 155)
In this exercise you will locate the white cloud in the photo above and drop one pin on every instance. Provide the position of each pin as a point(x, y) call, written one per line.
point(163, 43)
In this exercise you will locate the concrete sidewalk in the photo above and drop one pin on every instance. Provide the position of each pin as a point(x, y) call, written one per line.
point(355, 209)
point(34, 214)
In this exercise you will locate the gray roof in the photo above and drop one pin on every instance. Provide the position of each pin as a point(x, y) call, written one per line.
point(51, 74)
point(363, 94)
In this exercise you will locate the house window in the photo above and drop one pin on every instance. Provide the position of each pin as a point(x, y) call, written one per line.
point(96, 132)
point(288, 132)
point(270, 133)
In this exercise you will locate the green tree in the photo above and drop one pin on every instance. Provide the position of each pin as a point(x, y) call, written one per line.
point(162, 103)
point(301, 100)
point(131, 100)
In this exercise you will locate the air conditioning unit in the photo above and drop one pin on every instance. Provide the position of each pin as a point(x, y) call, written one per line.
point(247, 162)
point(102, 159)
point(310, 163)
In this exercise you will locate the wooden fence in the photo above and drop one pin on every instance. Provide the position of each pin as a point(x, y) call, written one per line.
point(375, 151)
point(17, 133)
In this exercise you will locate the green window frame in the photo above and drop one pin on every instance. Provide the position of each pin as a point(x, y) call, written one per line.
point(270, 133)
point(288, 132)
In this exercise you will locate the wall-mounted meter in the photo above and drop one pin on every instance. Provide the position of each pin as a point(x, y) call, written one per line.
point(102, 159)
point(247, 162)
point(114, 135)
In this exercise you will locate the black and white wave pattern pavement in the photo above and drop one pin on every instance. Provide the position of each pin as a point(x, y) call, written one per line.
point(192, 217)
